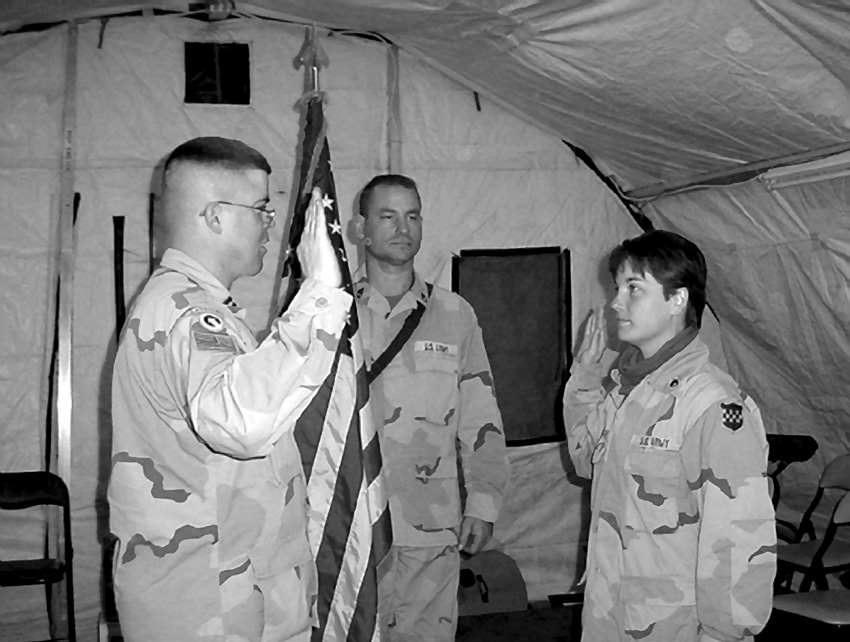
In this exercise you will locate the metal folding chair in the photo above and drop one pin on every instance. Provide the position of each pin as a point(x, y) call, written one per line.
point(817, 559)
point(25, 490)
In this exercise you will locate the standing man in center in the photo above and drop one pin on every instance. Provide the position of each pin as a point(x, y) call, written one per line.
point(444, 456)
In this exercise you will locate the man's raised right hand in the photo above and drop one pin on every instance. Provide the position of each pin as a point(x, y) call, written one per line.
point(315, 251)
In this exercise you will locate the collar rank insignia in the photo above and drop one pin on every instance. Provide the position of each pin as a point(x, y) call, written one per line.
point(733, 415)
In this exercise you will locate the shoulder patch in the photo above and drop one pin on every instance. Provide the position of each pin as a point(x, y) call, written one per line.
point(210, 334)
point(211, 322)
point(733, 415)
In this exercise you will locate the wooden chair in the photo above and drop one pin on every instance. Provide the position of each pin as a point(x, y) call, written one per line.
point(25, 490)
point(817, 559)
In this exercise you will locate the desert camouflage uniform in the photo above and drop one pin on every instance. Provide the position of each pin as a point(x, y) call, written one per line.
point(438, 406)
point(207, 492)
point(682, 541)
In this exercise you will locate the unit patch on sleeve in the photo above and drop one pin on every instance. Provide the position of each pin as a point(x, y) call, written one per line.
point(733, 415)
point(209, 334)
point(212, 322)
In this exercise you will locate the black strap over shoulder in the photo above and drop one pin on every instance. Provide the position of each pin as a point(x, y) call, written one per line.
point(410, 324)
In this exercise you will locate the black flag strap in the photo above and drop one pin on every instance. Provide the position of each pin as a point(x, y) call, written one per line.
point(410, 324)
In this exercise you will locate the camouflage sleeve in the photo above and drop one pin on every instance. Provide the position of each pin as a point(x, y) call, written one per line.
point(725, 457)
point(481, 438)
point(583, 417)
point(241, 404)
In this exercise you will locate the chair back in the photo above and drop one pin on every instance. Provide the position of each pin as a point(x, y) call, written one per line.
point(836, 474)
point(33, 488)
point(39, 488)
point(841, 516)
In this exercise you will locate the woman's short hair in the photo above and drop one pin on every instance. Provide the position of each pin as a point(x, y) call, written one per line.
point(672, 260)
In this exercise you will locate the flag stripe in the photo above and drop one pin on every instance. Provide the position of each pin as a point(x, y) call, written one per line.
point(353, 574)
point(306, 438)
point(372, 460)
point(332, 443)
point(367, 600)
point(382, 535)
point(340, 516)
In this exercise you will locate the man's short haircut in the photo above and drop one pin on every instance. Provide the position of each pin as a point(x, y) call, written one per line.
point(216, 152)
point(672, 260)
point(385, 180)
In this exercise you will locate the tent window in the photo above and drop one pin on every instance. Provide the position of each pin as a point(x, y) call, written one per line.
point(217, 73)
point(522, 302)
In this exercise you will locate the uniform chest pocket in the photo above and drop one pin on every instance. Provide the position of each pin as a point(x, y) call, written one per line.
point(659, 471)
point(436, 387)
point(660, 500)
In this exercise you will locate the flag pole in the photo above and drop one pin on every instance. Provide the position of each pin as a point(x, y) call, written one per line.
point(312, 57)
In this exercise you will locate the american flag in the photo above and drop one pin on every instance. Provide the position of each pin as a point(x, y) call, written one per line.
point(349, 519)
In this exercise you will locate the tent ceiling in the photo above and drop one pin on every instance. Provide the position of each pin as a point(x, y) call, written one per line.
point(656, 91)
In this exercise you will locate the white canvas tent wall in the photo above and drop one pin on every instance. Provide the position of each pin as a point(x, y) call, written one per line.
point(655, 92)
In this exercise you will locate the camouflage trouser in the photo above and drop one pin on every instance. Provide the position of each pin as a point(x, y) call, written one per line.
point(273, 608)
point(418, 595)
point(666, 623)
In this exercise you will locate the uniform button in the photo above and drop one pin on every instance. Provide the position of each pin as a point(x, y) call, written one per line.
point(321, 302)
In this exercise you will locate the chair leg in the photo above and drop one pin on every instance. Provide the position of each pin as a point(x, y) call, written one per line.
point(60, 606)
point(782, 582)
point(821, 583)
point(72, 623)
point(806, 582)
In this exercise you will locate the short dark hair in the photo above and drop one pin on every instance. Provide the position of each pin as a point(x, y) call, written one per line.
point(223, 153)
point(672, 260)
point(385, 180)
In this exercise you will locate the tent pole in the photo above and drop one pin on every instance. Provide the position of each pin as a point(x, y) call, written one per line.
point(728, 176)
point(393, 111)
point(67, 245)
point(118, 272)
point(46, 409)
point(61, 423)
point(67, 260)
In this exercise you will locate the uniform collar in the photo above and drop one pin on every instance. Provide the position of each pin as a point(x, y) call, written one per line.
point(669, 375)
point(371, 298)
point(190, 268)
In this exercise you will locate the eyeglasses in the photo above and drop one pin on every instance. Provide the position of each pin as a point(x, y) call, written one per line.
point(267, 211)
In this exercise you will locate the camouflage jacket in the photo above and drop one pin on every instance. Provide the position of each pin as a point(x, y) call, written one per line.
point(206, 491)
point(435, 403)
point(682, 536)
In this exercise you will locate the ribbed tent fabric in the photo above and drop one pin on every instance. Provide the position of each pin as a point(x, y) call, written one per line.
point(484, 103)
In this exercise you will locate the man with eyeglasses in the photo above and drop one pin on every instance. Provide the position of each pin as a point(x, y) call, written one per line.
point(206, 494)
